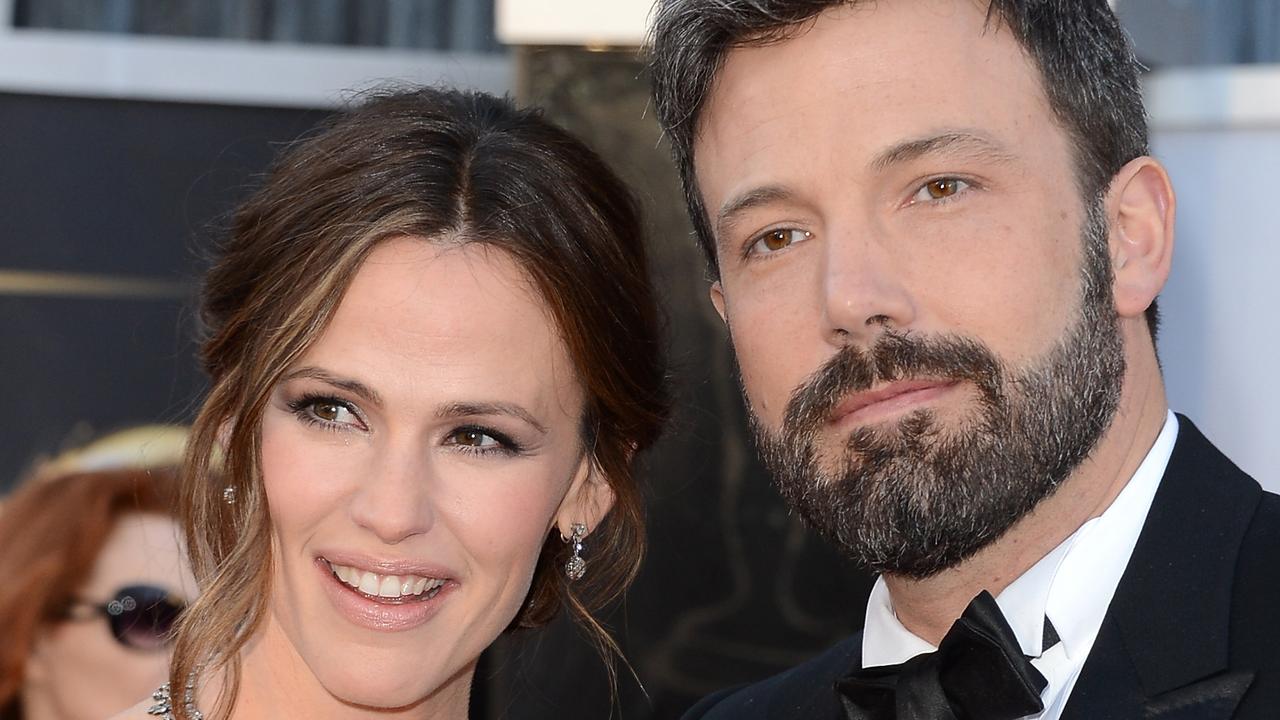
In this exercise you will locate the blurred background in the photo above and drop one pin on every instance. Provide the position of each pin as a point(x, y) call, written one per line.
point(129, 129)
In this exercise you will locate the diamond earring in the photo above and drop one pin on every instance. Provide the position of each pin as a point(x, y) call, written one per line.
point(576, 567)
point(229, 495)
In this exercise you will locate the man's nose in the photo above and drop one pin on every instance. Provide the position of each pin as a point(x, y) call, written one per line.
point(864, 291)
point(394, 500)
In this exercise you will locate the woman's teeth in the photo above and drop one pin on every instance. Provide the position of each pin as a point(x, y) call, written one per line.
point(387, 586)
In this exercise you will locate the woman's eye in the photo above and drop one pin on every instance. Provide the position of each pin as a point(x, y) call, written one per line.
point(940, 189)
point(483, 441)
point(779, 239)
point(331, 412)
point(326, 412)
point(471, 437)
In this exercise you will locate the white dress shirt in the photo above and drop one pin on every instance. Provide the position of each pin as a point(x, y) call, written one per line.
point(1072, 586)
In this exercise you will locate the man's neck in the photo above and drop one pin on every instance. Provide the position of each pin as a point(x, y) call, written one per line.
point(928, 607)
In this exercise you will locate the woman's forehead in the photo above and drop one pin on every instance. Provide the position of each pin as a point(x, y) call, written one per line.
point(433, 320)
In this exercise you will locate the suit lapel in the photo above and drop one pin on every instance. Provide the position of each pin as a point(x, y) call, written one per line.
point(1211, 699)
point(815, 697)
point(1162, 652)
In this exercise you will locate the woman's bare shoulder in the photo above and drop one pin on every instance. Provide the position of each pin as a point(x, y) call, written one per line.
point(137, 712)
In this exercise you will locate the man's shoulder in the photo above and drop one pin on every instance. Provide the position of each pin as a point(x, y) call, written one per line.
point(1257, 576)
point(1233, 522)
point(1197, 602)
point(1254, 628)
point(1211, 472)
point(804, 691)
point(1263, 533)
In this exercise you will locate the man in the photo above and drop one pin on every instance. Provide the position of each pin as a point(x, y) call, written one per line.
point(937, 239)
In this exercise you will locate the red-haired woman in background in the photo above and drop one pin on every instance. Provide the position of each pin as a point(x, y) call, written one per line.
point(93, 578)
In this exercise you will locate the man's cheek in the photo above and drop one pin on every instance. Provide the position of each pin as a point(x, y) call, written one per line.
point(765, 381)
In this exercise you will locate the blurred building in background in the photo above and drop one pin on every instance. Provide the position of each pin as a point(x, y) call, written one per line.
point(130, 128)
point(444, 25)
point(1171, 33)
point(1213, 95)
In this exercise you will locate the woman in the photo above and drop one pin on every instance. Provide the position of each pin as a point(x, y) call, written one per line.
point(93, 578)
point(434, 354)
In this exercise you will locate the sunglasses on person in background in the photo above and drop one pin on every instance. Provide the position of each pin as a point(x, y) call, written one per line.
point(140, 616)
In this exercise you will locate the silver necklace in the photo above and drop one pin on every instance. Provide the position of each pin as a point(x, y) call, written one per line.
point(164, 701)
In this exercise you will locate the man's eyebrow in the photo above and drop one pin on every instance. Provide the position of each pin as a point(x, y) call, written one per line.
point(468, 409)
point(955, 141)
point(746, 200)
point(353, 386)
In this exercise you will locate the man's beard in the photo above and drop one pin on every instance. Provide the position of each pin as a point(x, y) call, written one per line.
point(915, 498)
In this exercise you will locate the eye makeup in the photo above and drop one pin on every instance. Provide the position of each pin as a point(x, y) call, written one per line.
point(471, 439)
point(335, 414)
point(325, 411)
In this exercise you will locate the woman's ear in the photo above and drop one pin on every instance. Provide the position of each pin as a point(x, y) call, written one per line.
point(588, 501)
point(225, 430)
point(717, 299)
point(1141, 208)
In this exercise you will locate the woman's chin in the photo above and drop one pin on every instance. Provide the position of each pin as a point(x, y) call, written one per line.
point(378, 688)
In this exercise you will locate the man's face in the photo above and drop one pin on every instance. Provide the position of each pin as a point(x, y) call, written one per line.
point(924, 348)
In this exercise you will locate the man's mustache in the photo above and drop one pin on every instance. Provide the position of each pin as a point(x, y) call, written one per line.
point(894, 356)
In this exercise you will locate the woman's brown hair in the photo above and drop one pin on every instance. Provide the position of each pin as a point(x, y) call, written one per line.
point(51, 529)
point(443, 166)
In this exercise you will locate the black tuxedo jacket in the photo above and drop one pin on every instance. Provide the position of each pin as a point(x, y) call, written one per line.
point(1192, 633)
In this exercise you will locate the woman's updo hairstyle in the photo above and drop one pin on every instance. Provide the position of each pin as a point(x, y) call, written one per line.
point(449, 167)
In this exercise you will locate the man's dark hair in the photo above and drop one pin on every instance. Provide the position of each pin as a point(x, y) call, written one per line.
point(1086, 63)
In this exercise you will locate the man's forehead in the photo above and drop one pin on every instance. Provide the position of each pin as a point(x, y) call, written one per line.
point(956, 143)
point(901, 69)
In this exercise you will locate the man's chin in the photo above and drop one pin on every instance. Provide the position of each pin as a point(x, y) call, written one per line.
point(847, 450)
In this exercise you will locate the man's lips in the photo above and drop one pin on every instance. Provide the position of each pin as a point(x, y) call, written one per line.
point(887, 399)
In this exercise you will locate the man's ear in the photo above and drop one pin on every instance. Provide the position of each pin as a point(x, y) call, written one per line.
point(717, 299)
point(589, 500)
point(1141, 207)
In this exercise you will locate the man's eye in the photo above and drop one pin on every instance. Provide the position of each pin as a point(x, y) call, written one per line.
point(940, 189)
point(779, 239)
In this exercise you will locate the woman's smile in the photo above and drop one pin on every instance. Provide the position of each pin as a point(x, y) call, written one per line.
point(391, 589)
point(383, 602)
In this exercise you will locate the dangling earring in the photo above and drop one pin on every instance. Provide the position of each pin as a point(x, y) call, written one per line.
point(229, 495)
point(576, 567)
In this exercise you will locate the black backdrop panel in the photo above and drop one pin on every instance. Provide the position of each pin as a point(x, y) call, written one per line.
point(112, 189)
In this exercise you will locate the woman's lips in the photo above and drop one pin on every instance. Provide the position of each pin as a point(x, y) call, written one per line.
point(883, 402)
point(389, 614)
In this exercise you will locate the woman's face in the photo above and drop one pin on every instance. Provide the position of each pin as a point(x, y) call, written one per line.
point(415, 460)
point(77, 669)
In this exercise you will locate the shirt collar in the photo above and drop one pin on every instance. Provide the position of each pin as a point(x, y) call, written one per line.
point(1072, 585)
point(1089, 574)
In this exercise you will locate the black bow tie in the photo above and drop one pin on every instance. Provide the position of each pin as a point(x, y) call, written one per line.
point(977, 673)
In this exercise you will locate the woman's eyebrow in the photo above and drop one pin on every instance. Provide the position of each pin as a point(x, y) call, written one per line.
point(471, 409)
point(350, 385)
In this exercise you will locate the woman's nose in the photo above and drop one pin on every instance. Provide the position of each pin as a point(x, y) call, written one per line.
point(394, 499)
